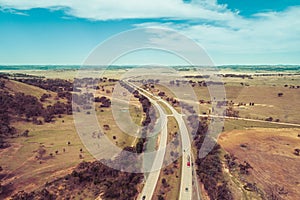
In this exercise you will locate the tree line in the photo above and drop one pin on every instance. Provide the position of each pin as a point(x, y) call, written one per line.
point(209, 169)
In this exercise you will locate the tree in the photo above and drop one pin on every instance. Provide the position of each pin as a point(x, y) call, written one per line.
point(139, 146)
point(44, 97)
point(161, 94)
point(2, 84)
point(244, 168)
point(297, 152)
point(269, 119)
point(1, 188)
point(160, 197)
point(41, 152)
point(106, 127)
point(25, 133)
point(230, 112)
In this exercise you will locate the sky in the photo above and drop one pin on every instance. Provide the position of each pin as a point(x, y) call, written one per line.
point(230, 31)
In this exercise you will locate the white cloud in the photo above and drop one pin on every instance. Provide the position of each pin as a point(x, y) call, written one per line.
point(221, 31)
point(121, 9)
point(264, 33)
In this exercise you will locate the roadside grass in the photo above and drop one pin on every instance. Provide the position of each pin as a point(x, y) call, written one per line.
point(172, 180)
point(136, 112)
point(166, 108)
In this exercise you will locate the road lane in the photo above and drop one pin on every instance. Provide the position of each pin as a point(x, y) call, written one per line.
point(152, 179)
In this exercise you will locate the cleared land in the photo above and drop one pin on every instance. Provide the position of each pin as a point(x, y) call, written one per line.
point(271, 154)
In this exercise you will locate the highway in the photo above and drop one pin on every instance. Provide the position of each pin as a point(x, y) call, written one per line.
point(185, 192)
point(153, 176)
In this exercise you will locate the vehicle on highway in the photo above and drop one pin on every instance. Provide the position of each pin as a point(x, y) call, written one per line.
point(186, 189)
point(144, 197)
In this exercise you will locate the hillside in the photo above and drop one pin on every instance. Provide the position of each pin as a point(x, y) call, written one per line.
point(15, 86)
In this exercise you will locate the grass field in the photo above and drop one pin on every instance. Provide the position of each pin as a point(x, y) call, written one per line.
point(24, 171)
point(130, 111)
point(123, 139)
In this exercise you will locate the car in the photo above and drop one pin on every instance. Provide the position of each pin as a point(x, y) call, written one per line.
point(188, 163)
point(186, 189)
point(144, 197)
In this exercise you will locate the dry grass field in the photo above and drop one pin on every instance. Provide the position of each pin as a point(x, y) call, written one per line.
point(271, 154)
point(24, 172)
point(262, 91)
point(105, 116)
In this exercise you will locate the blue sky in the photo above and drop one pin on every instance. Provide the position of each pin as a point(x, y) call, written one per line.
point(231, 31)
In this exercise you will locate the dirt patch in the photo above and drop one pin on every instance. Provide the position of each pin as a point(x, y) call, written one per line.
point(271, 154)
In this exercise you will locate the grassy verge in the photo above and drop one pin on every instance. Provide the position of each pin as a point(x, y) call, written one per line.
point(169, 180)
point(232, 124)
